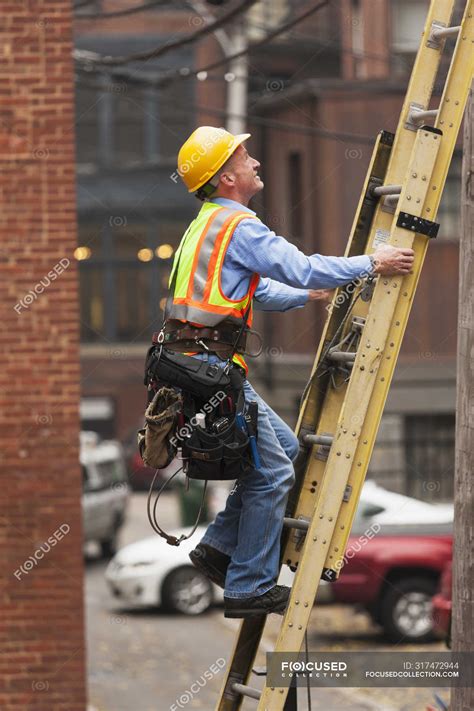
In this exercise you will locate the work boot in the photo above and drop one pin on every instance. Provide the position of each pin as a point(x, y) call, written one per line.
point(274, 600)
point(211, 562)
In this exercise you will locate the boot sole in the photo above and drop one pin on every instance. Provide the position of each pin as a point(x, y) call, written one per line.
point(211, 573)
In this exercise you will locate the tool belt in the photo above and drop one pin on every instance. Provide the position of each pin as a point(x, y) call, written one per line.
point(221, 339)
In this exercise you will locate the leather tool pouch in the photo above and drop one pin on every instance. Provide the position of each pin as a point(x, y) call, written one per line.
point(155, 440)
point(216, 457)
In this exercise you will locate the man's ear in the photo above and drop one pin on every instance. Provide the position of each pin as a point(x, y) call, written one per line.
point(228, 179)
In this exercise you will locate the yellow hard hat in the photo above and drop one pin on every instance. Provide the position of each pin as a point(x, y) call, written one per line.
point(205, 151)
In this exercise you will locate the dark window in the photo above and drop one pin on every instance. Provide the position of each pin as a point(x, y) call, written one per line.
point(87, 118)
point(429, 456)
point(130, 118)
point(124, 270)
point(122, 124)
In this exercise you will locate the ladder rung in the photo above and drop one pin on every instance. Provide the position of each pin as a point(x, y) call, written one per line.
point(386, 190)
point(341, 356)
point(245, 690)
point(298, 523)
point(446, 32)
point(418, 116)
point(260, 671)
point(326, 440)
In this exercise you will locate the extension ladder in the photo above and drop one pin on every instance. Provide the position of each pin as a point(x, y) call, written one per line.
point(343, 403)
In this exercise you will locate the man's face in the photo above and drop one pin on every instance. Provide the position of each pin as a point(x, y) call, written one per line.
point(244, 171)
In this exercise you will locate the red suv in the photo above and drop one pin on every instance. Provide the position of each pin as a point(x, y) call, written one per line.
point(397, 552)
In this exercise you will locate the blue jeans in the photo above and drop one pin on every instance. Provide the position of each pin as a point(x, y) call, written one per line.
point(249, 528)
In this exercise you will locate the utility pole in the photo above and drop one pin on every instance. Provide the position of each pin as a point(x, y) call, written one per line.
point(237, 89)
point(236, 104)
point(463, 557)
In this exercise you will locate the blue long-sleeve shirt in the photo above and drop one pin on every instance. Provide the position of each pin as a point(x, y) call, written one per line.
point(286, 273)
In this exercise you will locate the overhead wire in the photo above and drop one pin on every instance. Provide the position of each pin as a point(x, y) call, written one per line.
point(104, 60)
point(272, 35)
point(263, 121)
point(92, 59)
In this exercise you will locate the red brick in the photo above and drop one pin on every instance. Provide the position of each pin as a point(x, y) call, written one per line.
point(41, 615)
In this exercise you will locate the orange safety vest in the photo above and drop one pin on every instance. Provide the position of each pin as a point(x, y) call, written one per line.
point(198, 297)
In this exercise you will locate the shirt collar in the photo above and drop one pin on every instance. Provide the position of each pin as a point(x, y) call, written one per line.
point(225, 202)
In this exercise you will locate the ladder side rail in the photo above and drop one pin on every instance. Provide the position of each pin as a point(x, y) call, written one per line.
point(452, 105)
point(340, 458)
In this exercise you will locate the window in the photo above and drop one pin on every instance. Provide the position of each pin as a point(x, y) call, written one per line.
point(357, 25)
point(87, 118)
point(267, 15)
point(408, 20)
point(130, 118)
point(124, 124)
point(429, 456)
point(124, 277)
point(111, 472)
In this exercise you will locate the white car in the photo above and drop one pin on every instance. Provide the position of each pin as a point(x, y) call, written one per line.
point(105, 490)
point(152, 573)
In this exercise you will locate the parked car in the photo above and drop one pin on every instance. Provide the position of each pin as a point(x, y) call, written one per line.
point(442, 604)
point(150, 572)
point(395, 573)
point(105, 491)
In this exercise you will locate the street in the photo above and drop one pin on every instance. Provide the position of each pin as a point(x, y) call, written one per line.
point(149, 660)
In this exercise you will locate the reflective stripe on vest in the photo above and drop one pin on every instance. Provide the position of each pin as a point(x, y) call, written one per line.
point(198, 296)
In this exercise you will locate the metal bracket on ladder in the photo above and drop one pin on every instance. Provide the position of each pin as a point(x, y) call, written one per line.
point(417, 115)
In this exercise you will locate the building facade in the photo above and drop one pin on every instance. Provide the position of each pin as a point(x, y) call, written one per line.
point(318, 94)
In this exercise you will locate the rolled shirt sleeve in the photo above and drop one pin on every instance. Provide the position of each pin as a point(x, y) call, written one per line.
point(256, 248)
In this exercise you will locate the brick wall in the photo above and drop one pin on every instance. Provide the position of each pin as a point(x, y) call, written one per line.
point(41, 606)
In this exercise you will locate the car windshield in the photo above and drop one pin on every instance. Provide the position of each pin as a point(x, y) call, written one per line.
point(111, 472)
point(366, 510)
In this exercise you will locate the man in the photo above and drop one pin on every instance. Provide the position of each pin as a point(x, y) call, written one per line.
point(227, 261)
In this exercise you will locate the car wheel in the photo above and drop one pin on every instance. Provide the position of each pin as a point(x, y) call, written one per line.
point(187, 591)
point(108, 548)
point(406, 610)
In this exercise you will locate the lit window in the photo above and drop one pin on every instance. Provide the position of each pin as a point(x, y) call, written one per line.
point(145, 255)
point(82, 253)
point(164, 251)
